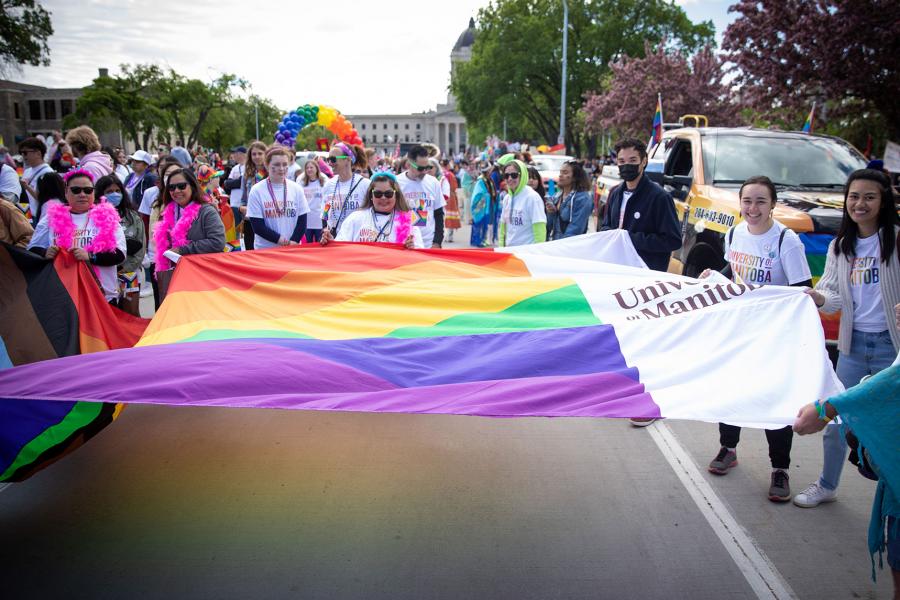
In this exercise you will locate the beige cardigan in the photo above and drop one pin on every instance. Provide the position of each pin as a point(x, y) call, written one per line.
point(835, 287)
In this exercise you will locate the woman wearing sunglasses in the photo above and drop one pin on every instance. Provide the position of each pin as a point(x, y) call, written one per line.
point(522, 218)
point(384, 217)
point(277, 208)
point(91, 232)
point(187, 224)
point(346, 191)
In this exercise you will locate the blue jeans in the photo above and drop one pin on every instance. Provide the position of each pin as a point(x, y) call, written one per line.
point(869, 354)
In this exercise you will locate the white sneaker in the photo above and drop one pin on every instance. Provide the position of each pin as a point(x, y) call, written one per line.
point(814, 495)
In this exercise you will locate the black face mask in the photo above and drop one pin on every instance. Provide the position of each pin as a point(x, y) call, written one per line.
point(629, 172)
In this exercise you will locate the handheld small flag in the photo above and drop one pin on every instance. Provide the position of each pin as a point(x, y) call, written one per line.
point(810, 118)
point(657, 133)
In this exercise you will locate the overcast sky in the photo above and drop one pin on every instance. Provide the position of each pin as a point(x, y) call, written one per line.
point(360, 56)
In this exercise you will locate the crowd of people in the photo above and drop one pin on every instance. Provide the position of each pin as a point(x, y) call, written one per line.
point(132, 218)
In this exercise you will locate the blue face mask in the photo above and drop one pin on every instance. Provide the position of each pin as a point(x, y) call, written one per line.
point(114, 198)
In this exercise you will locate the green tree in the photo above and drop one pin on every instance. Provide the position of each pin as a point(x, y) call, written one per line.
point(516, 71)
point(189, 102)
point(235, 123)
point(24, 29)
point(124, 101)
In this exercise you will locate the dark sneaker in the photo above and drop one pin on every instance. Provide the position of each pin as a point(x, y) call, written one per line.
point(723, 461)
point(780, 490)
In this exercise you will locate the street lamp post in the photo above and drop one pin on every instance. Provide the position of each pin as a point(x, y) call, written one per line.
point(562, 103)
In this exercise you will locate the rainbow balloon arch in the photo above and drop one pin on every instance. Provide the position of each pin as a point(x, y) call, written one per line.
point(315, 114)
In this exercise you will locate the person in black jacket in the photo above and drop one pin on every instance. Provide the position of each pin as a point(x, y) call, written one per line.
point(642, 207)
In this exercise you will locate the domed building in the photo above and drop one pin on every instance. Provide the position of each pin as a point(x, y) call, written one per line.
point(443, 126)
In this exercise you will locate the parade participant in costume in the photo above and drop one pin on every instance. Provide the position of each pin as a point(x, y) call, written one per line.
point(208, 178)
point(423, 194)
point(568, 212)
point(346, 191)
point(86, 146)
point(312, 180)
point(110, 188)
point(862, 280)
point(384, 217)
point(450, 187)
point(254, 172)
point(277, 208)
point(762, 251)
point(187, 224)
point(522, 220)
point(483, 194)
point(92, 232)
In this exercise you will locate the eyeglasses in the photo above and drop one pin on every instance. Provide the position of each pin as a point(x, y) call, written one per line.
point(419, 168)
point(333, 159)
point(510, 176)
point(87, 191)
point(379, 194)
point(177, 186)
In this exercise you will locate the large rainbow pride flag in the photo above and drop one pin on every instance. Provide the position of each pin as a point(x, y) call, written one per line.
point(544, 330)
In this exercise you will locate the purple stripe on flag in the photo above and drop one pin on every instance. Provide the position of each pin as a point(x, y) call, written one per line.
point(564, 372)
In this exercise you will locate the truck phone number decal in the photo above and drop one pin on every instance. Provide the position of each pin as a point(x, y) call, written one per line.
point(713, 216)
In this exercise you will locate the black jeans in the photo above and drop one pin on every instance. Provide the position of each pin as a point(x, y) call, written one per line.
point(780, 441)
point(249, 238)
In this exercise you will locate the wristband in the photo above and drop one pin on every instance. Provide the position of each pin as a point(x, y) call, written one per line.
point(820, 408)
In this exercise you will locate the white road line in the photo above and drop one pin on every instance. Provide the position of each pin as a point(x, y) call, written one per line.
point(3, 486)
point(761, 574)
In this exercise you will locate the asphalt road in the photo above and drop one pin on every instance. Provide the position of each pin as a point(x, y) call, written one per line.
point(174, 502)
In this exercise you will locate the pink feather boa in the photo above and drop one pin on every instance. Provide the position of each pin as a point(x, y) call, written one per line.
point(104, 216)
point(403, 227)
point(168, 234)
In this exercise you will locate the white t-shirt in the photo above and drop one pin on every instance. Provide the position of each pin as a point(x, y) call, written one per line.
point(10, 187)
point(84, 234)
point(865, 286)
point(313, 193)
point(520, 213)
point(122, 173)
point(369, 226)
point(32, 175)
point(340, 201)
point(279, 210)
point(756, 259)
point(237, 171)
point(626, 196)
point(292, 171)
point(147, 200)
point(424, 196)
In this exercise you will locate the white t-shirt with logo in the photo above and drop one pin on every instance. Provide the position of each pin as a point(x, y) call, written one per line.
point(313, 193)
point(366, 225)
point(343, 198)
point(85, 231)
point(757, 259)
point(865, 286)
point(520, 213)
point(237, 171)
point(32, 175)
point(424, 196)
point(279, 211)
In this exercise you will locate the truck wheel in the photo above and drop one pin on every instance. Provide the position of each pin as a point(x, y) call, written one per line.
point(703, 256)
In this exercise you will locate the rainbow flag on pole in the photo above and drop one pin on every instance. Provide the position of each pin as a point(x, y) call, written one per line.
point(657, 133)
point(543, 330)
point(810, 120)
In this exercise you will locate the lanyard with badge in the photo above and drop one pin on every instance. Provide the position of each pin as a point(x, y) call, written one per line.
point(383, 231)
point(279, 212)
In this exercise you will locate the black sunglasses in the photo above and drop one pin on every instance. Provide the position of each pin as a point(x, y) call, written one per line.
point(380, 194)
point(81, 190)
point(177, 186)
point(510, 176)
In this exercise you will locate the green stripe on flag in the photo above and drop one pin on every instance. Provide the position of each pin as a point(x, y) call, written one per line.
point(565, 307)
point(237, 334)
point(81, 415)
